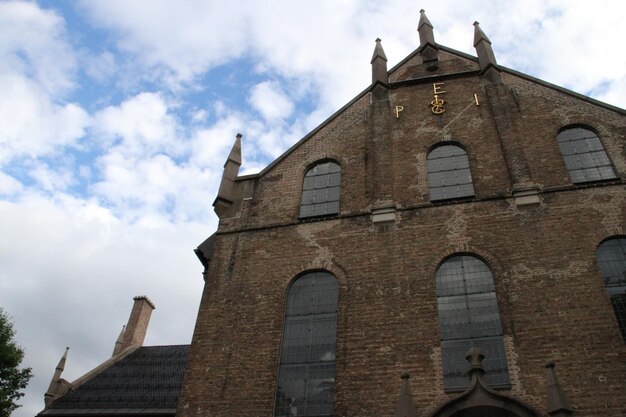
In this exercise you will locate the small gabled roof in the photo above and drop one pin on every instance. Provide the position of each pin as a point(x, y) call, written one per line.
point(146, 382)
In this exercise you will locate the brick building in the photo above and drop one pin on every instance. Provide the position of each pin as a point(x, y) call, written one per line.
point(455, 211)
point(453, 204)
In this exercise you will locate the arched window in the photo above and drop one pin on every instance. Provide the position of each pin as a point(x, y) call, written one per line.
point(469, 316)
point(612, 261)
point(584, 155)
point(449, 174)
point(320, 190)
point(306, 376)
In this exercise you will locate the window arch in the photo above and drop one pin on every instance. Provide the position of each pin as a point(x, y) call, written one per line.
point(469, 316)
point(306, 376)
point(611, 256)
point(320, 190)
point(584, 155)
point(449, 173)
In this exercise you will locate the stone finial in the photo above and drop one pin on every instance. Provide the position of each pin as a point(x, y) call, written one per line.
point(486, 57)
point(428, 48)
point(227, 195)
point(425, 29)
point(405, 407)
point(55, 383)
point(475, 359)
point(235, 152)
point(558, 404)
point(118, 343)
point(479, 35)
point(379, 64)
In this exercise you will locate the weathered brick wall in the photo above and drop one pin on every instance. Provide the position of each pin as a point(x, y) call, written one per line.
point(552, 301)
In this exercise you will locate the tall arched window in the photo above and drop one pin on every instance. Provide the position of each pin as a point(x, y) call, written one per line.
point(449, 173)
point(612, 261)
point(469, 316)
point(584, 155)
point(306, 376)
point(320, 190)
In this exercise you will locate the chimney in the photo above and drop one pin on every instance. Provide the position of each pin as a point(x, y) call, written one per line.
point(135, 331)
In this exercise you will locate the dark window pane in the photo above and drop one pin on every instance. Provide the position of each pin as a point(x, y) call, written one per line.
point(320, 190)
point(309, 183)
point(333, 207)
point(307, 197)
point(577, 176)
point(461, 161)
point(333, 194)
point(334, 179)
point(469, 316)
point(618, 302)
point(611, 256)
point(307, 366)
point(321, 181)
point(322, 169)
point(320, 209)
point(296, 340)
point(437, 194)
point(600, 159)
point(320, 196)
point(306, 211)
point(584, 155)
point(448, 173)
point(291, 392)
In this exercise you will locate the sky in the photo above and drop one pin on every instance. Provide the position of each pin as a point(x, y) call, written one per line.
point(116, 117)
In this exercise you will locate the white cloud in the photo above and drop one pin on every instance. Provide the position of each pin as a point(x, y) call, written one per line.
point(156, 189)
point(37, 68)
point(187, 36)
point(615, 92)
point(210, 145)
point(32, 42)
point(69, 271)
point(9, 186)
point(52, 180)
point(101, 66)
point(269, 99)
point(199, 116)
point(141, 125)
point(31, 124)
point(144, 187)
point(319, 42)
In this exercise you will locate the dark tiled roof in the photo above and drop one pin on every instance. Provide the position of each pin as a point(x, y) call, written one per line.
point(147, 381)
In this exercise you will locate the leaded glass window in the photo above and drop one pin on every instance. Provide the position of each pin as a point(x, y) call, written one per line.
point(306, 376)
point(469, 316)
point(612, 261)
point(584, 155)
point(449, 173)
point(320, 190)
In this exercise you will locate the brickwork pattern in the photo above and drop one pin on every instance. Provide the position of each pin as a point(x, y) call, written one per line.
point(550, 293)
point(138, 321)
